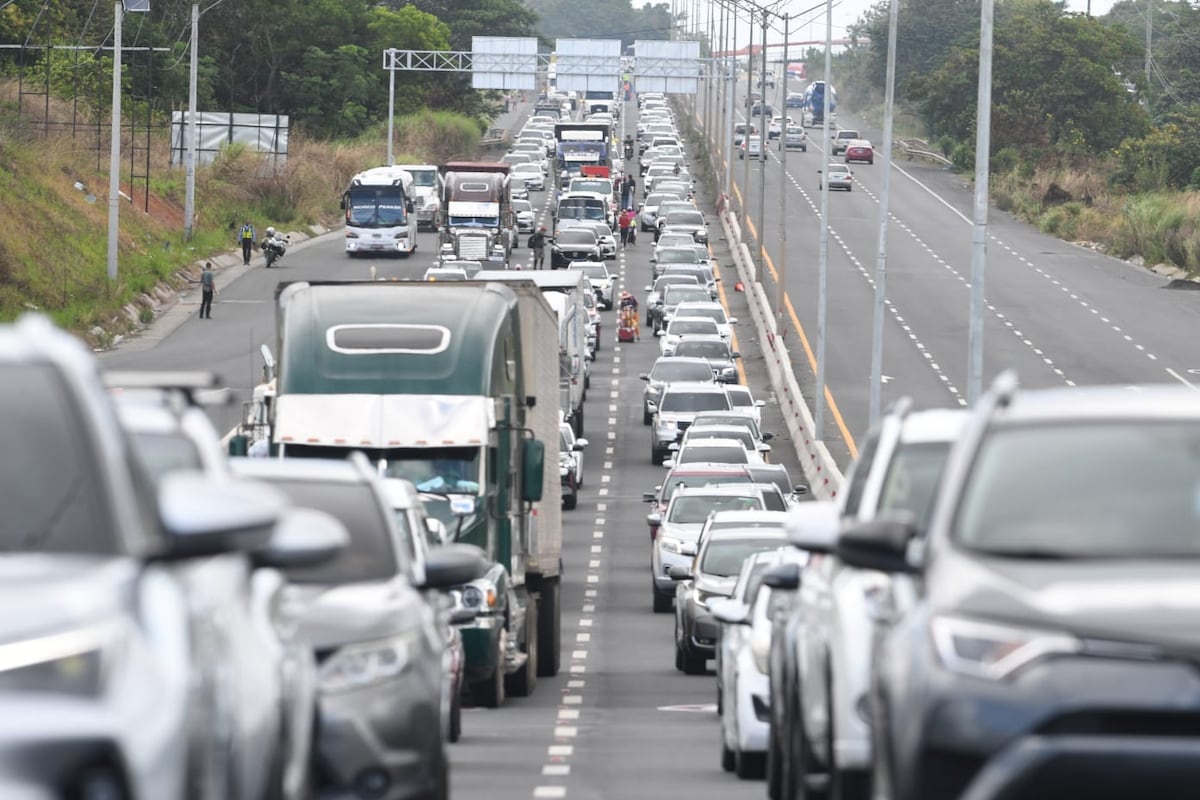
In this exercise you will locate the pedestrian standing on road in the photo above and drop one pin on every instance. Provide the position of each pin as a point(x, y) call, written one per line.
point(247, 237)
point(634, 224)
point(207, 287)
point(630, 184)
point(623, 223)
point(537, 243)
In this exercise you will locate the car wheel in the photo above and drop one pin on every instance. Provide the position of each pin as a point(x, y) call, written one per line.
point(656, 456)
point(662, 605)
point(522, 682)
point(454, 733)
point(728, 758)
point(571, 499)
point(647, 417)
point(749, 766)
point(577, 422)
point(490, 692)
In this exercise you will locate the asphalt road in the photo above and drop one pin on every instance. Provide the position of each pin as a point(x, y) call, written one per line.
point(1058, 313)
point(619, 722)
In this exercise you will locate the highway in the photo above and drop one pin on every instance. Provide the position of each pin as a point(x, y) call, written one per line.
point(1058, 313)
point(619, 721)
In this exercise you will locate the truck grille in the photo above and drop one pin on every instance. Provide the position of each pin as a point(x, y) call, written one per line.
point(473, 246)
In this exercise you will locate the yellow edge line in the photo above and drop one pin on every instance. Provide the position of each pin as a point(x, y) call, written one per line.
point(733, 339)
point(812, 359)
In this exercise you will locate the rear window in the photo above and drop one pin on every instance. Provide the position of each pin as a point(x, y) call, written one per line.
point(709, 349)
point(694, 401)
point(694, 509)
point(677, 255)
point(673, 369)
point(716, 455)
point(682, 326)
point(576, 236)
point(724, 559)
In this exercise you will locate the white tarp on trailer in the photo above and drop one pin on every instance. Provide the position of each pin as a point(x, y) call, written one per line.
point(378, 421)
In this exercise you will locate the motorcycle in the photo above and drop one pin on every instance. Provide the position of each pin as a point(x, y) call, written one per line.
point(273, 248)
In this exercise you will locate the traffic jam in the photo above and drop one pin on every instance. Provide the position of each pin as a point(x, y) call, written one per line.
point(371, 566)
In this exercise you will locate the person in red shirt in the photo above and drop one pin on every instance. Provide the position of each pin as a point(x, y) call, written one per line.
point(625, 222)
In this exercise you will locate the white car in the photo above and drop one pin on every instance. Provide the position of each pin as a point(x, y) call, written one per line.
point(682, 325)
point(604, 237)
point(593, 309)
point(523, 211)
point(445, 274)
point(741, 398)
point(602, 280)
point(674, 239)
point(775, 128)
point(531, 174)
point(712, 451)
point(570, 464)
point(713, 310)
point(743, 671)
point(738, 433)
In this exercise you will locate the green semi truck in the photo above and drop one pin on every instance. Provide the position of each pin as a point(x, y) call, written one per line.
point(453, 386)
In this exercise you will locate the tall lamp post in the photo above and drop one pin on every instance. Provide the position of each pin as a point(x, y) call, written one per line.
point(114, 165)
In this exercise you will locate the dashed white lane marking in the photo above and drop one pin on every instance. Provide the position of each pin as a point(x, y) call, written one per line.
point(568, 713)
point(560, 750)
point(565, 732)
point(556, 770)
point(583, 636)
point(572, 699)
point(596, 548)
point(576, 684)
point(550, 791)
point(579, 654)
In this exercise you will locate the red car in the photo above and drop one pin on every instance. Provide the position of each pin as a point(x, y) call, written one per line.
point(860, 150)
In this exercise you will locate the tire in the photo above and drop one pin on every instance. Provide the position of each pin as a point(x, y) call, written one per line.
point(693, 663)
point(647, 417)
point(656, 457)
point(728, 757)
point(570, 501)
point(577, 422)
point(749, 766)
point(454, 733)
point(522, 682)
point(490, 693)
point(662, 605)
point(549, 628)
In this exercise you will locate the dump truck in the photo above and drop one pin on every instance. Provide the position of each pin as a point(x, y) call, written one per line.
point(453, 386)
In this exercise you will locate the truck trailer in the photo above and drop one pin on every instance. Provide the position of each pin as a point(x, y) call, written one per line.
point(453, 386)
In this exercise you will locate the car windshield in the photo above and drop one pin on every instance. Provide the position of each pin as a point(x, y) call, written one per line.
point(654, 200)
point(673, 369)
point(677, 255)
point(527, 169)
point(694, 509)
point(681, 326)
point(725, 558)
point(707, 349)
point(683, 294)
point(423, 177)
point(1051, 490)
point(370, 555)
point(912, 479)
point(663, 283)
point(375, 208)
point(694, 401)
point(706, 453)
point(577, 236)
point(520, 206)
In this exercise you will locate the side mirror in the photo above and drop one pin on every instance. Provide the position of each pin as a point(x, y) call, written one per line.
point(533, 465)
point(785, 577)
point(654, 518)
point(760, 403)
point(687, 548)
point(303, 537)
point(668, 463)
point(764, 448)
point(649, 497)
point(818, 171)
point(880, 544)
point(767, 436)
point(660, 332)
point(673, 447)
point(648, 289)
point(729, 611)
point(735, 355)
point(645, 376)
point(204, 516)
point(679, 573)
point(453, 565)
point(580, 444)
point(732, 320)
point(813, 526)
point(653, 259)
point(800, 490)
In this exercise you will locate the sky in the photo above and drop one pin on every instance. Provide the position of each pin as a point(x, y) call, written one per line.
point(845, 14)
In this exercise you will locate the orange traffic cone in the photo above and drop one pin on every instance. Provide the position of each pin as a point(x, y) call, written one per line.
point(738, 287)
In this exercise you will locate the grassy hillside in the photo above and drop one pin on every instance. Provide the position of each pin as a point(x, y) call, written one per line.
point(53, 245)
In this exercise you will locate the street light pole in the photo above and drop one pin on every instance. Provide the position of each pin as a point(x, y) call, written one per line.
point(823, 257)
point(114, 159)
point(189, 195)
point(983, 139)
point(780, 279)
point(762, 157)
point(391, 107)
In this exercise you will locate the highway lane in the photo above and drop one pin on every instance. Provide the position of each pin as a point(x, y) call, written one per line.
point(619, 721)
point(1058, 313)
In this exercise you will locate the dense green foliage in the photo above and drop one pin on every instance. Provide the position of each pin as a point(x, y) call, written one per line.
point(602, 19)
point(319, 61)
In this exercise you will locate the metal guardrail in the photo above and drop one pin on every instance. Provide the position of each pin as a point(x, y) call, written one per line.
point(919, 148)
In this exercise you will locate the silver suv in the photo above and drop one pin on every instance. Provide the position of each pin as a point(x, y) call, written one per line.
point(842, 139)
point(675, 409)
point(1052, 638)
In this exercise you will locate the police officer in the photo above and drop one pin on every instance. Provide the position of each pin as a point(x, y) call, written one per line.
point(247, 238)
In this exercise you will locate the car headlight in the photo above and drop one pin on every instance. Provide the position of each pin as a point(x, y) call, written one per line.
point(670, 544)
point(479, 595)
point(989, 650)
point(71, 663)
point(360, 665)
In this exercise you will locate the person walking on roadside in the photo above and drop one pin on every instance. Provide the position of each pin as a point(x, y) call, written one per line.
point(537, 243)
point(247, 238)
point(207, 287)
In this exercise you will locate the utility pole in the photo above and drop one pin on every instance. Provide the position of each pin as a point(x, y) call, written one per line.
point(823, 256)
point(391, 109)
point(983, 130)
point(189, 194)
point(745, 205)
point(762, 157)
point(114, 160)
point(1149, 39)
point(881, 255)
point(781, 278)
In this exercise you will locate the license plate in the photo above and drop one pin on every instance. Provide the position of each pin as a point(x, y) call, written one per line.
point(376, 236)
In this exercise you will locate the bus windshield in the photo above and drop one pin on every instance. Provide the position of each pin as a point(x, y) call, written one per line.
point(375, 208)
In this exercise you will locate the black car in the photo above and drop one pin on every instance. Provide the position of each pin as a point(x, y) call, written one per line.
point(716, 351)
point(574, 244)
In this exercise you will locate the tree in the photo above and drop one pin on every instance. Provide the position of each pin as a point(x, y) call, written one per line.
point(468, 18)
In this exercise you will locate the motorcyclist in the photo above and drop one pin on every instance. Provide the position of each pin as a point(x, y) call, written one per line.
point(275, 243)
